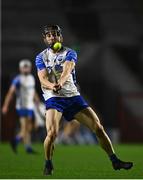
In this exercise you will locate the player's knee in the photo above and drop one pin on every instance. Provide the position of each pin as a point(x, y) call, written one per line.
point(99, 130)
point(52, 134)
point(29, 128)
point(55, 133)
point(23, 132)
point(23, 128)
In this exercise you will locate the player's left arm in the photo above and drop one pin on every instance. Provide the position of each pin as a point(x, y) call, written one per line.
point(68, 66)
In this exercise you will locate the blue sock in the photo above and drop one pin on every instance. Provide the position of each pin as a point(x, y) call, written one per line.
point(49, 164)
point(28, 148)
point(114, 158)
point(17, 140)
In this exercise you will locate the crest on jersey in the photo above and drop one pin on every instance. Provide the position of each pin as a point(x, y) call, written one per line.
point(59, 58)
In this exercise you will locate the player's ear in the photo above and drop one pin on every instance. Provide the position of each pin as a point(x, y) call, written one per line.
point(61, 38)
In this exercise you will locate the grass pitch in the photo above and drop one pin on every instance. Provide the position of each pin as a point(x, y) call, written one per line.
point(82, 162)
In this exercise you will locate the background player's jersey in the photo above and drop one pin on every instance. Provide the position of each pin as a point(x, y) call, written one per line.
point(53, 63)
point(25, 90)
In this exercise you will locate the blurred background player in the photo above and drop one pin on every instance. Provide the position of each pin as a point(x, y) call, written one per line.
point(23, 85)
point(56, 72)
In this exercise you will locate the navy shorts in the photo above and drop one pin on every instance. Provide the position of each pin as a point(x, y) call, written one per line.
point(25, 113)
point(69, 106)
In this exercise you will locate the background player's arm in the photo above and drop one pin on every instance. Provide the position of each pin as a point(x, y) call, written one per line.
point(43, 77)
point(36, 98)
point(8, 98)
point(67, 69)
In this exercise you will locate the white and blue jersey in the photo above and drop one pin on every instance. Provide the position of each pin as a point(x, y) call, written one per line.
point(53, 63)
point(25, 90)
point(68, 99)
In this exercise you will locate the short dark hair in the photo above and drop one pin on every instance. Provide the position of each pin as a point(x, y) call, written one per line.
point(49, 28)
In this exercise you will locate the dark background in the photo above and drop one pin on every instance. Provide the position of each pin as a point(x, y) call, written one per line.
point(108, 36)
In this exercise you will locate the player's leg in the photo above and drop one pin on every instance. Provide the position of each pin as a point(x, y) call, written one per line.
point(71, 127)
point(24, 133)
point(27, 135)
point(20, 136)
point(52, 149)
point(89, 118)
point(53, 118)
point(69, 132)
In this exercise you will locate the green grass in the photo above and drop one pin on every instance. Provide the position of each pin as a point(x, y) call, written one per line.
point(70, 162)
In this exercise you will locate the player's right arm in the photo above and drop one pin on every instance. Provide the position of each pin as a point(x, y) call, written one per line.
point(43, 77)
point(43, 74)
point(8, 98)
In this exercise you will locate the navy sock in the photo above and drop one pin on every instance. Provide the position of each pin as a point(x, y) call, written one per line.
point(17, 140)
point(49, 164)
point(28, 148)
point(114, 158)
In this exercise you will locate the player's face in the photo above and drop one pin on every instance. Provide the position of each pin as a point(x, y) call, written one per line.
point(52, 37)
point(25, 70)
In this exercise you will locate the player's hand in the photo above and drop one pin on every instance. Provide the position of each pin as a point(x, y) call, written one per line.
point(60, 83)
point(4, 110)
point(57, 87)
point(50, 86)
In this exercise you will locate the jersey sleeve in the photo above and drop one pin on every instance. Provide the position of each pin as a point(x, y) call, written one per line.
point(16, 82)
point(71, 56)
point(39, 62)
